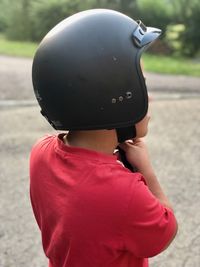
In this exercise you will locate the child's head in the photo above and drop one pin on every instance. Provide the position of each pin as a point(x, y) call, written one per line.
point(87, 73)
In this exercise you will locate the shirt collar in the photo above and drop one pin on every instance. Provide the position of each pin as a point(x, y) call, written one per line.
point(83, 152)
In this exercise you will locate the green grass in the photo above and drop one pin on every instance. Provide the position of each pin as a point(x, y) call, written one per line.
point(17, 48)
point(171, 65)
point(152, 63)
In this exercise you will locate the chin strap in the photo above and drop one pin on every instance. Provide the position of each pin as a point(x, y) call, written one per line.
point(126, 133)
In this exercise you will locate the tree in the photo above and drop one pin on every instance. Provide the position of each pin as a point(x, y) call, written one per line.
point(190, 38)
point(182, 9)
point(19, 22)
point(128, 7)
point(46, 16)
point(4, 14)
point(32, 19)
point(156, 13)
point(188, 14)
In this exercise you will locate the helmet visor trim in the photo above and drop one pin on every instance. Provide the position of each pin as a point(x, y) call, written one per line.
point(143, 35)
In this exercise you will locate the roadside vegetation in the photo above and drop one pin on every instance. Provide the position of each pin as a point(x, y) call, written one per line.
point(153, 63)
point(172, 65)
point(17, 48)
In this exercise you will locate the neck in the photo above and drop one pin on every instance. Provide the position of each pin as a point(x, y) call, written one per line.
point(104, 141)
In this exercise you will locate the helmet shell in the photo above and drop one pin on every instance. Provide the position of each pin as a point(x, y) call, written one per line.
point(87, 75)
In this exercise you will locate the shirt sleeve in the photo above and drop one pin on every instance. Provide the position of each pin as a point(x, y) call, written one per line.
point(149, 225)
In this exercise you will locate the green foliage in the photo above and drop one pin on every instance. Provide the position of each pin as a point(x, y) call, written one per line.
point(4, 14)
point(171, 65)
point(155, 13)
point(182, 9)
point(32, 19)
point(17, 48)
point(128, 7)
point(190, 38)
point(187, 13)
point(19, 23)
point(173, 34)
point(3, 24)
point(46, 15)
point(158, 14)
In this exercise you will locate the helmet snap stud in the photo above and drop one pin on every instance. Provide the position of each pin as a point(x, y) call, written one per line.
point(114, 100)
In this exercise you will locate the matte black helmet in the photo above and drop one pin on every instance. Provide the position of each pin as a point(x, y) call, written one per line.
point(87, 73)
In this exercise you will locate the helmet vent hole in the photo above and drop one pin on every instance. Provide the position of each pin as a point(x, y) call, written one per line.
point(129, 95)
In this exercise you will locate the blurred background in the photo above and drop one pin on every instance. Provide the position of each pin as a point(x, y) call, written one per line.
point(172, 71)
point(29, 20)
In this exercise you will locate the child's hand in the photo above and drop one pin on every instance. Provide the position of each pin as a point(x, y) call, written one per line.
point(137, 155)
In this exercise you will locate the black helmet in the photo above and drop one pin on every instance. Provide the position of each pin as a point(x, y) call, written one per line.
point(87, 73)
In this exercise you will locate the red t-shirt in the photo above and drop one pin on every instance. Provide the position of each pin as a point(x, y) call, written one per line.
point(92, 211)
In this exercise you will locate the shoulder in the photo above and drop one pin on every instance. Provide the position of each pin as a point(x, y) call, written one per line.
point(41, 144)
point(43, 140)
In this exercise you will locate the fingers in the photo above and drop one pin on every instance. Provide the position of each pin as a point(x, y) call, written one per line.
point(127, 144)
point(135, 141)
point(123, 146)
point(133, 144)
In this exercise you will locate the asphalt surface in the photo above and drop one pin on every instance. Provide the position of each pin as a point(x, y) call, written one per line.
point(174, 146)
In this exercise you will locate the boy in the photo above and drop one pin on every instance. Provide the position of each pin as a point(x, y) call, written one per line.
point(93, 211)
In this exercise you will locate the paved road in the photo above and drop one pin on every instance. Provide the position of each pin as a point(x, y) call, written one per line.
point(174, 146)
